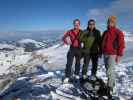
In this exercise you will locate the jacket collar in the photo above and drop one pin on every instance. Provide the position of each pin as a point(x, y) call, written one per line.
point(90, 30)
point(76, 31)
point(111, 28)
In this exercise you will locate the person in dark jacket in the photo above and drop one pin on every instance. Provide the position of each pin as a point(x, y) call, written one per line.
point(113, 45)
point(90, 40)
point(71, 38)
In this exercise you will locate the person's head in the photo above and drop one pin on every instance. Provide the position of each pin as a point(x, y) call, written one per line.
point(91, 24)
point(76, 24)
point(112, 21)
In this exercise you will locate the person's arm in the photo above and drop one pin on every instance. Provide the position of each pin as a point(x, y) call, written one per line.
point(103, 41)
point(99, 39)
point(121, 45)
point(66, 34)
point(81, 35)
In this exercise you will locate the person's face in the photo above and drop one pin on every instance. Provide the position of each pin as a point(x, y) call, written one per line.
point(91, 25)
point(76, 25)
point(111, 24)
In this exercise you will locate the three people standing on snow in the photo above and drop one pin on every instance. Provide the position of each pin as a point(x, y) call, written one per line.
point(89, 44)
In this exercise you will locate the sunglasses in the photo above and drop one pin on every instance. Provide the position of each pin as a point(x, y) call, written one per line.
point(92, 24)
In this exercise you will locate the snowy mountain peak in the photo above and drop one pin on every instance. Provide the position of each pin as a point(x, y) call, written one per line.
point(27, 41)
point(30, 44)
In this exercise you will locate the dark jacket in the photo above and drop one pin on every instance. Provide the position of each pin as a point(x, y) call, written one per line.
point(91, 40)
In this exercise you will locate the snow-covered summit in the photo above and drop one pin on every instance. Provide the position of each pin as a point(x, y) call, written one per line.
point(30, 44)
point(46, 73)
point(26, 41)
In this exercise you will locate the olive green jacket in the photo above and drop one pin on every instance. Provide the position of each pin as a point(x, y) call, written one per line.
point(91, 41)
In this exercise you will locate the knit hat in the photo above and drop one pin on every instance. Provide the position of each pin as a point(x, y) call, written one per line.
point(112, 18)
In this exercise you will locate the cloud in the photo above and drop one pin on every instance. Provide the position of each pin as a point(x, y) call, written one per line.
point(120, 8)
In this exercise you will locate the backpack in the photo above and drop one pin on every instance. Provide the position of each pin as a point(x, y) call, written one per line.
point(95, 88)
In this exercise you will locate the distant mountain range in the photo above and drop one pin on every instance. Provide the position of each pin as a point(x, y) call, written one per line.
point(28, 44)
point(34, 40)
point(36, 35)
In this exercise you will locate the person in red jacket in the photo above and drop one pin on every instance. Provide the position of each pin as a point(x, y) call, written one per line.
point(113, 45)
point(71, 38)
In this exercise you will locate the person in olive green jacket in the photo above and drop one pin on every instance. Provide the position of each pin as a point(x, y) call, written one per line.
point(90, 41)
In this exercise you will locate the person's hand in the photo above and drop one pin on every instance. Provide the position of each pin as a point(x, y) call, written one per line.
point(82, 45)
point(68, 40)
point(118, 58)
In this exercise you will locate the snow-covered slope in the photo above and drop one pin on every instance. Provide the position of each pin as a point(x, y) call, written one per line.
point(7, 46)
point(49, 64)
point(16, 57)
point(55, 56)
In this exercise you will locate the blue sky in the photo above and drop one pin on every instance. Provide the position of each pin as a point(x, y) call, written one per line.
point(21, 15)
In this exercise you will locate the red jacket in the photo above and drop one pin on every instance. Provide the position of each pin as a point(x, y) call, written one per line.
point(73, 36)
point(113, 42)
